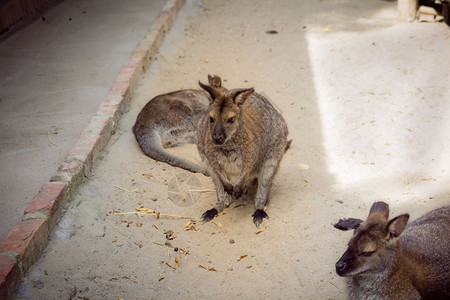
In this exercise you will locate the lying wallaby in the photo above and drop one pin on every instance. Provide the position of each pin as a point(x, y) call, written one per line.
point(242, 137)
point(170, 120)
point(388, 259)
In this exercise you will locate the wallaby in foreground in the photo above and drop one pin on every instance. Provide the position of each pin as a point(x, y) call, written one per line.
point(241, 138)
point(171, 120)
point(388, 259)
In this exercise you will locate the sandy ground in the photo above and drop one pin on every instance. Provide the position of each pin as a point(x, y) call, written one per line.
point(365, 103)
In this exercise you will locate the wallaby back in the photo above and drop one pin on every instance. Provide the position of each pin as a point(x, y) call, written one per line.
point(171, 120)
point(426, 243)
point(390, 259)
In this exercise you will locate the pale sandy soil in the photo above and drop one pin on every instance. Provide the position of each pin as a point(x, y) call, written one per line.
point(366, 103)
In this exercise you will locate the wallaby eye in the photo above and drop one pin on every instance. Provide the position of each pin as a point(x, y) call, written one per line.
point(211, 119)
point(230, 120)
point(367, 254)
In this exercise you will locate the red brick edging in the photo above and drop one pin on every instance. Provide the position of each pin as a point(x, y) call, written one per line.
point(27, 240)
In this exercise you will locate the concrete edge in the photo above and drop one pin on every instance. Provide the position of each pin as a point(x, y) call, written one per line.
point(26, 242)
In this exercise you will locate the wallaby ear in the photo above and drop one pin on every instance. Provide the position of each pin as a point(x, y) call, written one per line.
point(379, 212)
point(239, 96)
point(209, 89)
point(347, 224)
point(215, 81)
point(396, 226)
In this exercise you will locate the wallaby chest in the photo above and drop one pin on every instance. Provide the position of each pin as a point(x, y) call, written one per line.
point(230, 162)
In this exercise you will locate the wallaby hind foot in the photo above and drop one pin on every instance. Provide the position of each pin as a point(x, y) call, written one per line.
point(209, 215)
point(258, 217)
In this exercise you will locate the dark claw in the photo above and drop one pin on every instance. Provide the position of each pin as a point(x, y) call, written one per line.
point(209, 215)
point(346, 224)
point(258, 217)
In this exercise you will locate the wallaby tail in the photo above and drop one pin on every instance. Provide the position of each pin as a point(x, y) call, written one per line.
point(150, 143)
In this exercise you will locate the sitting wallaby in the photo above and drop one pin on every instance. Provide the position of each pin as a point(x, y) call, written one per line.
point(388, 259)
point(242, 137)
point(170, 120)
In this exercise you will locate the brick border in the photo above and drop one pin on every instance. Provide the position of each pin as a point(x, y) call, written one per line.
point(26, 242)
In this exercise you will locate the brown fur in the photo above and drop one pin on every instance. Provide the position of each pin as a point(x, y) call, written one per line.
point(171, 120)
point(241, 138)
point(388, 259)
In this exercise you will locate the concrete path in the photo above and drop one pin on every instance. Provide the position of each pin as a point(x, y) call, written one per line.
point(53, 77)
point(365, 103)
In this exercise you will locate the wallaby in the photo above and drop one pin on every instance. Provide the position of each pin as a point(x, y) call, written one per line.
point(170, 120)
point(242, 137)
point(390, 259)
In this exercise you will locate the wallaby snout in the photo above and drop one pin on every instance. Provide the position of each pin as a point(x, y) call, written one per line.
point(342, 266)
point(218, 134)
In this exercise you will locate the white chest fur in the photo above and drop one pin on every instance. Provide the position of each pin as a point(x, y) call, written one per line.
point(230, 163)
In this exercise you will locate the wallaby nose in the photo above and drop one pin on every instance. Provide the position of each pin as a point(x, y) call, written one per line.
point(340, 267)
point(218, 138)
point(218, 135)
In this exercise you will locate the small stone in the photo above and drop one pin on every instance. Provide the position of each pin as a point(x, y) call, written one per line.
point(231, 241)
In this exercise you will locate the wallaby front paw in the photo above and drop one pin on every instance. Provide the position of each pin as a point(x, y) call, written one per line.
point(258, 217)
point(209, 215)
point(228, 188)
point(238, 191)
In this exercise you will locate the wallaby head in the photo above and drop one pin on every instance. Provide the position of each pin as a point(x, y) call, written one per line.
point(225, 110)
point(373, 247)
